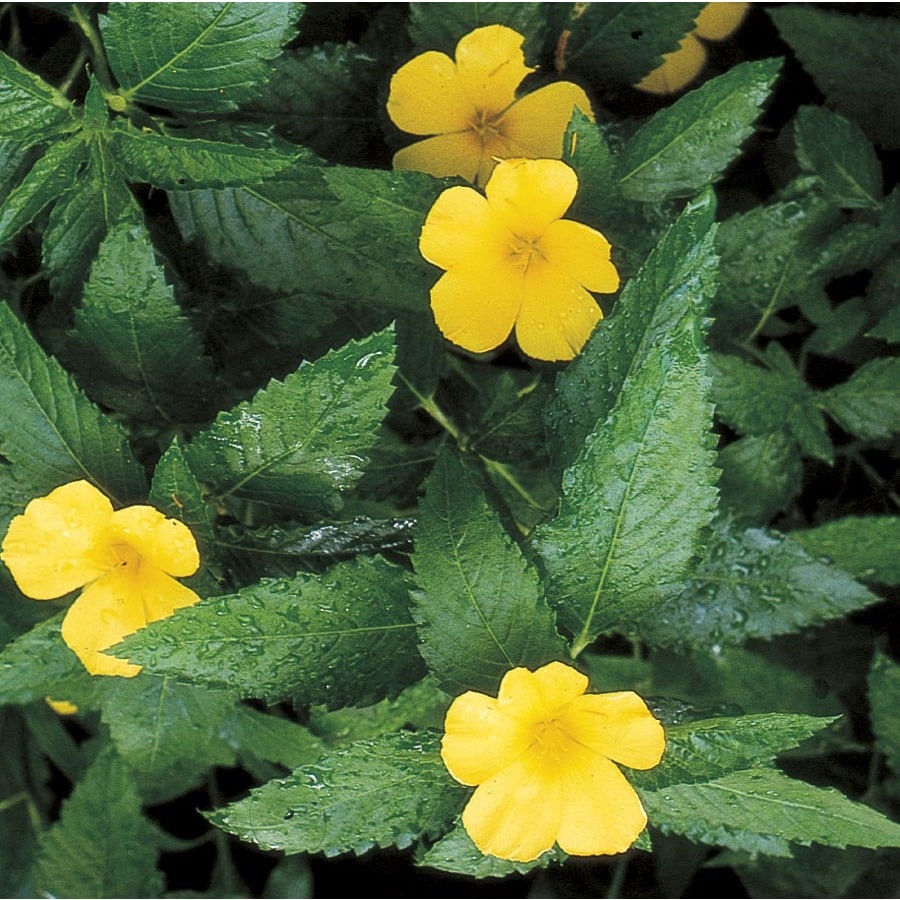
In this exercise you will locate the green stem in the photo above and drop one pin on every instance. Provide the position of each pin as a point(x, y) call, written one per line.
point(74, 71)
point(430, 406)
point(618, 878)
point(98, 53)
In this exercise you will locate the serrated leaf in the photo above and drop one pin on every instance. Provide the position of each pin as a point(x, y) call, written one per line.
point(835, 48)
point(364, 244)
point(864, 546)
point(439, 26)
point(50, 430)
point(199, 57)
point(884, 700)
point(761, 810)
point(271, 737)
point(761, 474)
point(622, 42)
point(378, 793)
point(759, 401)
point(753, 583)
point(168, 733)
point(637, 501)
point(101, 846)
point(130, 335)
point(31, 110)
point(688, 145)
point(300, 442)
point(868, 403)
point(480, 609)
point(710, 748)
point(51, 175)
point(344, 638)
point(677, 281)
point(837, 151)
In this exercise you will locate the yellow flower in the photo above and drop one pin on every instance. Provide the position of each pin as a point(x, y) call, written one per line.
point(470, 107)
point(543, 756)
point(511, 260)
point(716, 22)
point(62, 707)
point(125, 560)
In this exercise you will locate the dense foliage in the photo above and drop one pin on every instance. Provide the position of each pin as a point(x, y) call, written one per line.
point(214, 303)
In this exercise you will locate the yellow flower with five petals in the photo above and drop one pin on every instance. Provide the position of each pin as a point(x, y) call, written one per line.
point(125, 560)
point(543, 755)
point(513, 262)
point(470, 109)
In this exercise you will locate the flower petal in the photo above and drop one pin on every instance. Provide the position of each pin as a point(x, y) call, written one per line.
point(529, 194)
point(60, 542)
point(427, 96)
point(678, 68)
point(718, 21)
point(618, 726)
point(582, 253)
point(540, 694)
point(460, 153)
point(480, 739)
point(475, 304)
point(461, 228)
point(516, 814)
point(165, 543)
point(535, 124)
point(557, 314)
point(601, 812)
point(491, 65)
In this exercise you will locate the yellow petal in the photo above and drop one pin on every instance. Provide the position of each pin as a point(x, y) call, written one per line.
point(529, 194)
point(538, 695)
point(61, 707)
point(491, 65)
point(618, 726)
point(582, 253)
point(601, 812)
point(535, 124)
point(557, 314)
point(427, 96)
point(678, 68)
point(480, 739)
point(116, 605)
point(460, 153)
point(165, 543)
point(60, 542)
point(718, 21)
point(516, 814)
point(461, 228)
point(475, 304)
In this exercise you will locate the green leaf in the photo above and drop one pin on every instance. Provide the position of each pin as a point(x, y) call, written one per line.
point(168, 733)
point(199, 57)
point(761, 475)
point(888, 328)
point(101, 846)
point(30, 109)
point(622, 42)
point(853, 60)
point(299, 443)
point(688, 145)
point(637, 501)
point(864, 546)
point(365, 244)
point(177, 163)
point(439, 26)
point(759, 401)
point(837, 151)
point(342, 639)
point(271, 737)
point(761, 810)
point(753, 583)
point(868, 403)
point(677, 281)
point(710, 748)
point(130, 335)
point(480, 609)
point(51, 175)
point(50, 430)
point(378, 793)
point(884, 700)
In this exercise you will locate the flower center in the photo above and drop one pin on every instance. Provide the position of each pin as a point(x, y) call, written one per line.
point(551, 740)
point(524, 251)
point(486, 125)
